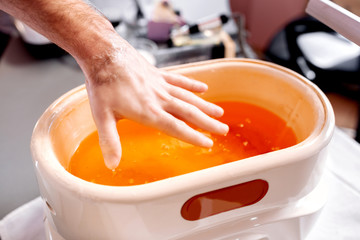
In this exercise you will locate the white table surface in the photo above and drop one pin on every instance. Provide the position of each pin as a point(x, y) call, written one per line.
point(338, 220)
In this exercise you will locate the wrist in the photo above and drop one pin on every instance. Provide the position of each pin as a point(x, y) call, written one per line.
point(99, 56)
point(98, 47)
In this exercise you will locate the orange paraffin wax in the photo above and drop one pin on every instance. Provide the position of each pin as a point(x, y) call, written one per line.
point(150, 155)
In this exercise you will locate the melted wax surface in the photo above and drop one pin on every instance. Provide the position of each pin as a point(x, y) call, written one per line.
point(150, 155)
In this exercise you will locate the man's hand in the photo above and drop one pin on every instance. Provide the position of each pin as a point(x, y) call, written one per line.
point(119, 81)
point(124, 85)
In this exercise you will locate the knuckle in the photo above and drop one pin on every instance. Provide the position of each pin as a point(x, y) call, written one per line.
point(150, 112)
point(190, 111)
point(106, 143)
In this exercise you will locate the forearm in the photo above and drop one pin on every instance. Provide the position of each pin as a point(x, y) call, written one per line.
point(119, 81)
point(71, 24)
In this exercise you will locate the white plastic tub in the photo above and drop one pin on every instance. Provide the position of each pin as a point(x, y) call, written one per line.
point(77, 209)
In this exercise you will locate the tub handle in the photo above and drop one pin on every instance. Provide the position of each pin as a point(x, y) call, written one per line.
point(225, 199)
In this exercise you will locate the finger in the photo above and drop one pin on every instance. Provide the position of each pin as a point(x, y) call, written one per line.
point(109, 141)
point(174, 127)
point(205, 106)
point(184, 82)
point(193, 115)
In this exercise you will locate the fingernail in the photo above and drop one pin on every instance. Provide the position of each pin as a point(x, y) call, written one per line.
point(208, 142)
point(204, 86)
point(112, 163)
point(224, 128)
point(218, 111)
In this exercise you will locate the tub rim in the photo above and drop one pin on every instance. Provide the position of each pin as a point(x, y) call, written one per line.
point(54, 171)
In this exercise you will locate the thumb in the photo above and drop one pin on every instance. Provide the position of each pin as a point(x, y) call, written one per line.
point(109, 141)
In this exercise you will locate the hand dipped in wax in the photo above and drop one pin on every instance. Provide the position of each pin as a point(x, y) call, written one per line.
point(119, 81)
point(125, 85)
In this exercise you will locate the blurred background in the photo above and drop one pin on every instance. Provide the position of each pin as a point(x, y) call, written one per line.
point(34, 72)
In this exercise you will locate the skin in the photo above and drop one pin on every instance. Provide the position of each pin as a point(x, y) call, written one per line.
point(119, 81)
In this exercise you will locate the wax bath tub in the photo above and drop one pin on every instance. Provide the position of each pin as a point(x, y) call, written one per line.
point(254, 198)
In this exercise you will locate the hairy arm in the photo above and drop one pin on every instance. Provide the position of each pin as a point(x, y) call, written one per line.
point(72, 24)
point(119, 81)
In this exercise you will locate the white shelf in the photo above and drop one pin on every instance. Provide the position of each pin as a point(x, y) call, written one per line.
point(336, 17)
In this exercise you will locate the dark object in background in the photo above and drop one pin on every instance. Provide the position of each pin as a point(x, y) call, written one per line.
point(285, 50)
point(218, 51)
point(47, 50)
point(208, 24)
point(4, 40)
point(6, 29)
point(44, 51)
